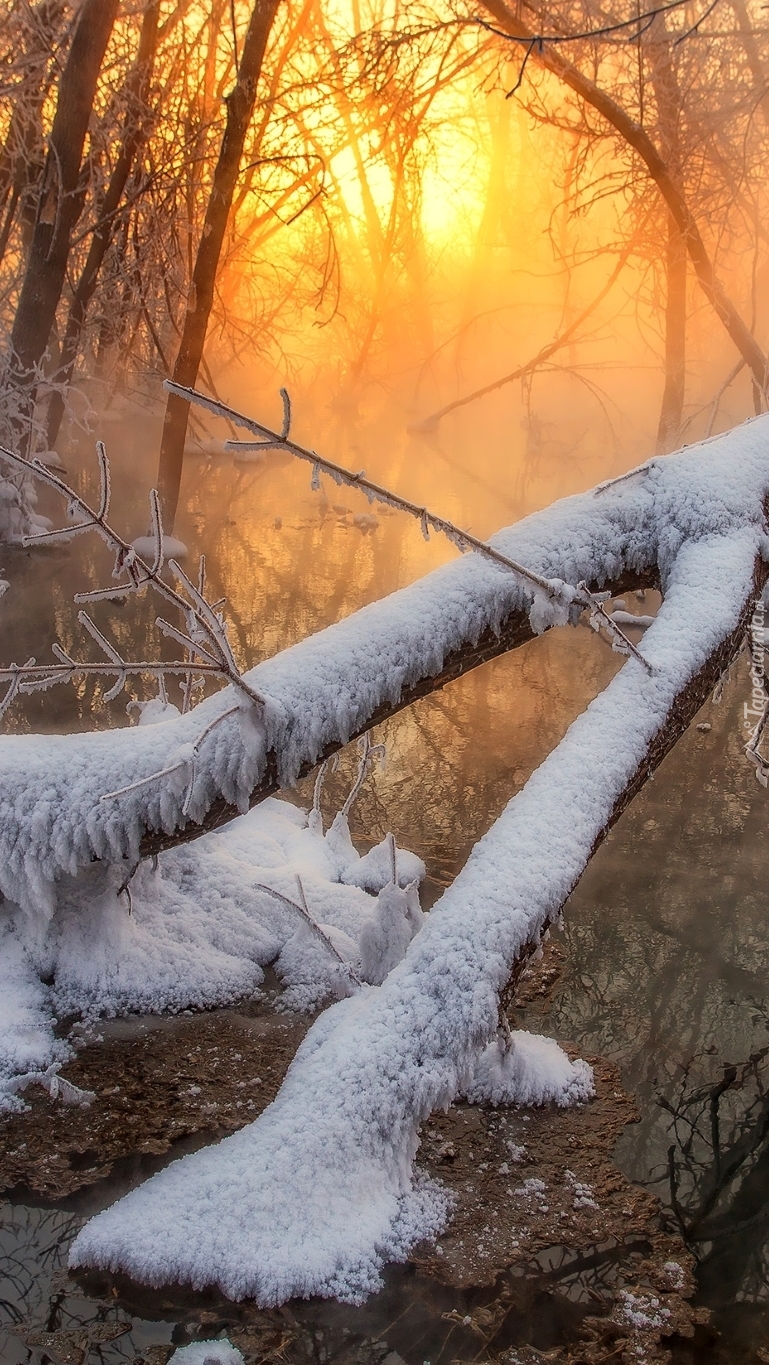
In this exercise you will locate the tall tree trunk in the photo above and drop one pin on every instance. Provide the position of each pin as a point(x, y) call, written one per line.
point(135, 129)
point(635, 136)
point(240, 107)
point(667, 93)
point(59, 206)
point(753, 55)
point(671, 409)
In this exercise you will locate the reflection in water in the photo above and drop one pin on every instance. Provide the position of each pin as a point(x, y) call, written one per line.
point(669, 948)
point(416, 1317)
point(35, 1293)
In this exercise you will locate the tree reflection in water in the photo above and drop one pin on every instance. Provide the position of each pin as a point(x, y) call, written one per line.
point(669, 949)
point(36, 1296)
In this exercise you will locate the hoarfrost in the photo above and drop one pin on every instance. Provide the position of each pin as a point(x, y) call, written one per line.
point(529, 1070)
point(218, 1352)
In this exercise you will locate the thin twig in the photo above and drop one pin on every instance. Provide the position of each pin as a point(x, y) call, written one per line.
point(211, 652)
point(368, 752)
point(374, 492)
point(303, 911)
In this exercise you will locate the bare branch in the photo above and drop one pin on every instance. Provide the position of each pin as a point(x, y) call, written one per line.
point(562, 593)
point(212, 647)
point(312, 924)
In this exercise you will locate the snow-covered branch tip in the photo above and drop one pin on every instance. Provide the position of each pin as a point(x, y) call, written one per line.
point(302, 909)
point(558, 593)
point(207, 648)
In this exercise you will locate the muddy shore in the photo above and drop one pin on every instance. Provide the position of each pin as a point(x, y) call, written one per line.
point(550, 1253)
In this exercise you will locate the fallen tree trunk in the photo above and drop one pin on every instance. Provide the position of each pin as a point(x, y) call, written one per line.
point(321, 693)
point(513, 632)
point(319, 1192)
point(686, 704)
point(327, 689)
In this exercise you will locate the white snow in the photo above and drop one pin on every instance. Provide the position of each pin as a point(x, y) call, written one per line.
point(386, 937)
point(529, 1070)
point(320, 1191)
point(582, 1193)
point(173, 548)
point(641, 1311)
point(18, 500)
point(27, 1042)
point(374, 870)
point(324, 689)
point(198, 933)
point(218, 1352)
point(314, 1196)
point(531, 1188)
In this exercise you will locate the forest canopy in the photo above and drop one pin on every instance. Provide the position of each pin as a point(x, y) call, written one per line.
point(385, 202)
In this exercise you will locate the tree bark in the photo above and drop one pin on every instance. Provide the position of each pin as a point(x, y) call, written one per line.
point(240, 107)
point(637, 138)
point(59, 206)
point(135, 129)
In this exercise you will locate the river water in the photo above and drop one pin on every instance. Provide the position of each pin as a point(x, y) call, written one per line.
point(666, 933)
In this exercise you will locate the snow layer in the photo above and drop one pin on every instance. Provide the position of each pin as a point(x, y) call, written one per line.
point(27, 1042)
point(529, 1069)
point(314, 1196)
point(199, 931)
point(218, 1352)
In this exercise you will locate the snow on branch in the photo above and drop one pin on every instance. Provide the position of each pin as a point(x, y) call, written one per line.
point(333, 686)
point(205, 640)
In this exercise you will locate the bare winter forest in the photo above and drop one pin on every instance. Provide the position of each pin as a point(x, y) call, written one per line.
point(384, 500)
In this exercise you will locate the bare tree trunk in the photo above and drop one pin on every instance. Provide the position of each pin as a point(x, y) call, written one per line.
point(753, 55)
point(240, 107)
point(636, 137)
point(135, 129)
point(669, 103)
point(671, 410)
point(59, 206)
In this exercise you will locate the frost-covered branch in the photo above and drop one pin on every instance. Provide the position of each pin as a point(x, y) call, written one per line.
point(562, 595)
point(302, 909)
point(330, 688)
point(369, 753)
point(208, 650)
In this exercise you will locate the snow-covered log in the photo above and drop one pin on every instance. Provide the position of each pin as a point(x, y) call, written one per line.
point(319, 1192)
point(320, 694)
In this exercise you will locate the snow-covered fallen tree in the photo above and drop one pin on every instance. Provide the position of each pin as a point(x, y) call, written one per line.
point(315, 1195)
